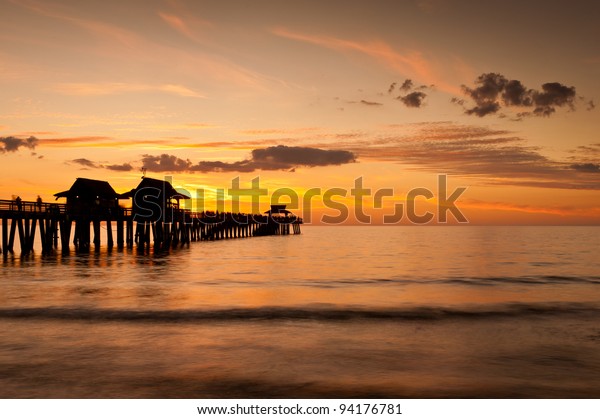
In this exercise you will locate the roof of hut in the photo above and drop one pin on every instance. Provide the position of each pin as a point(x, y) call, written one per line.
point(278, 209)
point(89, 188)
point(161, 185)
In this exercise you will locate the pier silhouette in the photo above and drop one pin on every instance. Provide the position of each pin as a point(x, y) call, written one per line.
point(155, 218)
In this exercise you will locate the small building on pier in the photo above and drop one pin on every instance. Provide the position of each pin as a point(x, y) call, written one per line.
point(278, 222)
point(90, 197)
point(154, 200)
point(278, 210)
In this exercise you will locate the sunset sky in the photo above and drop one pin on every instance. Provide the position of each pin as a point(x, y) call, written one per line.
point(501, 96)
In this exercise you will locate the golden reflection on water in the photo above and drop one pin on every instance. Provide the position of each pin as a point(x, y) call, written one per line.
point(370, 267)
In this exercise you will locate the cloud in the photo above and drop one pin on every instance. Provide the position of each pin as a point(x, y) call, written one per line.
point(489, 155)
point(186, 25)
point(407, 62)
point(515, 94)
point(485, 109)
point(270, 158)
point(105, 89)
point(242, 166)
point(590, 151)
point(407, 85)
point(553, 95)
point(279, 131)
point(591, 105)
point(123, 45)
point(12, 144)
point(165, 163)
point(391, 88)
point(100, 142)
point(586, 167)
point(414, 97)
point(85, 163)
point(302, 156)
point(89, 164)
point(493, 90)
point(413, 100)
point(125, 167)
point(368, 103)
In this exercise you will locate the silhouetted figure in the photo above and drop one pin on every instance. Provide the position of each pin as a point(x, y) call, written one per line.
point(18, 201)
point(38, 202)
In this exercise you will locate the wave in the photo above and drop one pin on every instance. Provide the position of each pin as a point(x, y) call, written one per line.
point(533, 280)
point(305, 313)
point(467, 280)
point(458, 280)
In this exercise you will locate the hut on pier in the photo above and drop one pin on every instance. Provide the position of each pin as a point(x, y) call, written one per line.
point(90, 197)
point(154, 200)
point(278, 221)
point(278, 211)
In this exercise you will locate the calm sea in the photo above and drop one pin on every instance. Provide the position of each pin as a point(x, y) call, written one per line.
point(335, 312)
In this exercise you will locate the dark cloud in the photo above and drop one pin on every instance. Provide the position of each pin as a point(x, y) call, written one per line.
point(413, 100)
point(302, 156)
point(407, 85)
point(484, 109)
point(586, 167)
point(515, 94)
point(366, 102)
point(413, 97)
point(270, 158)
point(460, 102)
point(85, 163)
point(553, 95)
point(11, 144)
point(165, 163)
point(485, 95)
point(125, 167)
point(492, 90)
point(243, 166)
point(391, 88)
point(89, 164)
point(591, 105)
point(587, 151)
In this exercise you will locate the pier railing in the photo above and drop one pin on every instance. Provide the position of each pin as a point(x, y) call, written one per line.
point(31, 206)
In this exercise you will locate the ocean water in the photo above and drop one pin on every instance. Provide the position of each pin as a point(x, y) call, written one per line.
point(403, 312)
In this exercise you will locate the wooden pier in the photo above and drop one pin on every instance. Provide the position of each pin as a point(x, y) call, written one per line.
point(56, 226)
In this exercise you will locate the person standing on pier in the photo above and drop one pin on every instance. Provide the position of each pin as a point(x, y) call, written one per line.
point(18, 201)
point(38, 202)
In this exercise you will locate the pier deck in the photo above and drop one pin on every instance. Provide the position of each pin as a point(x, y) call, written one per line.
point(55, 224)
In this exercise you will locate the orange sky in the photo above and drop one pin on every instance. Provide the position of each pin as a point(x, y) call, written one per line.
point(309, 95)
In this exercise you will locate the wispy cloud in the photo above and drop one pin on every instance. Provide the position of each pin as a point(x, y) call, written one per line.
point(279, 131)
point(187, 25)
point(561, 210)
point(370, 103)
point(409, 63)
point(477, 152)
point(97, 141)
point(123, 44)
point(586, 167)
point(105, 89)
